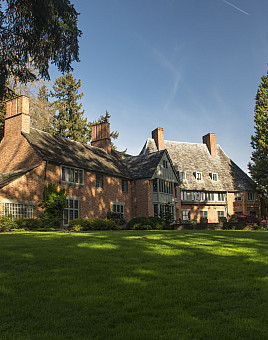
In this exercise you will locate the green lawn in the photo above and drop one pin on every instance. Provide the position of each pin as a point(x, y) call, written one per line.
point(134, 285)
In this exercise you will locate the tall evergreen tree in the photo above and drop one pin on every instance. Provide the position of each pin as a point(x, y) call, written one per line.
point(68, 120)
point(258, 166)
point(36, 33)
point(41, 109)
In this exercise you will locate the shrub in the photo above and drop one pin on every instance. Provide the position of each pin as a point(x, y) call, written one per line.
point(116, 217)
point(54, 203)
point(203, 220)
point(7, 224)
point(29, 223)
point(157, 223)
point(85, 224)
point(142, 227)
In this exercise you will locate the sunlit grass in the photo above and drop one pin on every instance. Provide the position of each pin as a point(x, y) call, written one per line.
point(134, 285)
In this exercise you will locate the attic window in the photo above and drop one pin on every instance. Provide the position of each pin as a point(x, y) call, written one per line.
point(165, 164)
point(213, 176)
point(182, 175)
point(198, 176)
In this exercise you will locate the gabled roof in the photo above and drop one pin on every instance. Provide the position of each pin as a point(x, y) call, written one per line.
point(8, 177)
point(195, 157)
point(67, 152)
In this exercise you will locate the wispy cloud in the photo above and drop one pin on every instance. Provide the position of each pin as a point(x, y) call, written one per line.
point(164, 62)
point(239, 9)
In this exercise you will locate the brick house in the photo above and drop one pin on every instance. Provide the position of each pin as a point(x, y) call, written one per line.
point(211, 184)
point(96, 178)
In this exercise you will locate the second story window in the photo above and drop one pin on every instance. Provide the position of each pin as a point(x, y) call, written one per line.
point(251, 196)
point(72, 175)
point(124, 185)
point(99, 181)
point(155, 189)
point(238, 196)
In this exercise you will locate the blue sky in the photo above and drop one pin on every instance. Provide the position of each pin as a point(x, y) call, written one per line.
point(189, 66)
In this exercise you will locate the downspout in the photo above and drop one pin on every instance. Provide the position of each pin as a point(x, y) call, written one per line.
point(45, 185)
point(226, 205)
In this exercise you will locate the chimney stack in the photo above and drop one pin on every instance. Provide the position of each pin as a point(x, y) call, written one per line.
point(100, 136)
point(17, 116)
point(209, 140)
point(158, 136)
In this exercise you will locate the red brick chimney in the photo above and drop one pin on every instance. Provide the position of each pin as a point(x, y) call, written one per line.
point(209, 140)
point(158, 136)
point(100, 136)
point(17, 116)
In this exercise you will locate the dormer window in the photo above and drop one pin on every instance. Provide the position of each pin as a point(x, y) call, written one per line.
point(182, 175)
point(198, 176)
point(213, 176)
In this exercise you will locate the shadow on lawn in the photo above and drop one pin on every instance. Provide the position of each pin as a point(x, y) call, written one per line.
point(191, 285)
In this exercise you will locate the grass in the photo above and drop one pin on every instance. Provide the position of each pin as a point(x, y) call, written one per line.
point(134, 285)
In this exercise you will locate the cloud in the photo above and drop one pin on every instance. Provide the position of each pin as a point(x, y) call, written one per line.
point(239, 9)
point(164, 62)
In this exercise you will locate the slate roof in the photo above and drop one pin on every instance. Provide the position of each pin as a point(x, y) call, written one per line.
point(67, 152)
point(8, 177)
point(195, 157)
point(143, 166)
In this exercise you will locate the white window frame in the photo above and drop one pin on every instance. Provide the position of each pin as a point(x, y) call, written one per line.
point(214, 176)
point(188, 212)
point(119, 208)
point(71, 212)
point(198, 176)
point(18, 209)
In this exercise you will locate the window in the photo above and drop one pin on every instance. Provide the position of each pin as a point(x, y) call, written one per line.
point(119, 208)
point(124, 185)
point(72, 175)
point(156, 213)
point(238, 196)
point(209, 196)
point(186, 215)
point(220, 214)
point(214, 176)
point(251, 196)
point(167, 211)
point(203, 213)
point(198, 176)
point(18, 210)
point(182, 175)
point(155, 186)
point(165, 164)
point(99, 181)
point(164, 187)
point(221, 197)
point(72, 210)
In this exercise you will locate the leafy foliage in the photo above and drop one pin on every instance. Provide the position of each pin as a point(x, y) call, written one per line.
point(54, 203)
point(258, 166)
point(155, 223)
point(36, 33)
point(7, 224)
point(85, 224)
